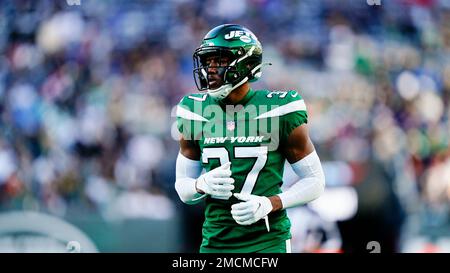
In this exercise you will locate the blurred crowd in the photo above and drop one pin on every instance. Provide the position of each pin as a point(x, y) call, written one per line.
point(87, 94)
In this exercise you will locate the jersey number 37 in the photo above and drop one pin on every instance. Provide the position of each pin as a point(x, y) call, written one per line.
point(260, 153)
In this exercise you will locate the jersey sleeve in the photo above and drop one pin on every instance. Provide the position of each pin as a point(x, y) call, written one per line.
point(296, 114)
point(181, 122)
point(189, 115)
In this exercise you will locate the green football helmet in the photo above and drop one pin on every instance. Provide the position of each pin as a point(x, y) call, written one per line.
point(243, 54)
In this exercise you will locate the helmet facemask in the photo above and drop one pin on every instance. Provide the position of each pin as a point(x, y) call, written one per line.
point(239, 68)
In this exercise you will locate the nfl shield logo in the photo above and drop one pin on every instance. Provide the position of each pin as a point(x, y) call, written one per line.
point(231, 125)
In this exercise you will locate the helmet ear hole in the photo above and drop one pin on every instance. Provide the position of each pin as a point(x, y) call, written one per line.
point(232, 76)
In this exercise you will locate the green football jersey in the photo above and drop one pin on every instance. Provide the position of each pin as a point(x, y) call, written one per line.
point(250, 135)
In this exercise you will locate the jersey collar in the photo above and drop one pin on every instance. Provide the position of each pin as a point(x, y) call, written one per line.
point(244, 100)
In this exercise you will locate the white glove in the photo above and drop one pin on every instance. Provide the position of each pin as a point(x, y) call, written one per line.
point(253, 209)
point(217, 182)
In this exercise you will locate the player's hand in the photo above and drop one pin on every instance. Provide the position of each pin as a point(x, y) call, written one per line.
point(253, 209)
point(217, 182)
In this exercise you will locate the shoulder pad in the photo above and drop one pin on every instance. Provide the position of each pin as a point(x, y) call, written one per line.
point(282, 103)
point(191, 106)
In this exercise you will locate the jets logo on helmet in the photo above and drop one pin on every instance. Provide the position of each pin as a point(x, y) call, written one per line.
point(245, 39)
point(237, 58)
point(242, 35)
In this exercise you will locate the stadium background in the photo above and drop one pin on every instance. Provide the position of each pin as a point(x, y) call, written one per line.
point(87, 129)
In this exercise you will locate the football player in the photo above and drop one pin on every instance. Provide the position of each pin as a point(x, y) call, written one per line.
point(241, 137)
